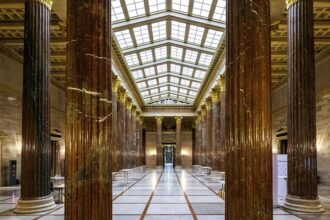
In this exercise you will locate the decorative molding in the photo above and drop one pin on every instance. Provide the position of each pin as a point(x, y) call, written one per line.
point(289, 3)
point(122, 95)
point(128, 103)
point(215, 94)
point(178, 119)
point(115, 84)
point(159, 119)
point(47, 3)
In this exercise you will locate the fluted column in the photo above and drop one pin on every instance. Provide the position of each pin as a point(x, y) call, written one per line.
point(88, 113)
point(203, 135)
point(138, 147)
point(222, 146)
point(121, 126)
point(159, 147)
point(134, 151)
point(248, 111)
point(36, 165)
point(302, 155)
point(128, 132)
point(178, 156)
point(208, 132)
point(115, 147)
point(215, 128)
point(199, 138)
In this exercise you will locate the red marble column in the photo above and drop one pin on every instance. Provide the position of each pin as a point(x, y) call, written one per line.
point(138, 148)
point(248, 111)
point(178, 156)
point(159, 146)
point(36, 149)
point(128, 132)
point(115, 147)
point(208, 131)
point(203, 135)
point(222, 147)
point(199, 138)
point(215, 128)
point(88, 113)
point(302, 154)
point(143, 143)
point(121, 126)
point(134, 151)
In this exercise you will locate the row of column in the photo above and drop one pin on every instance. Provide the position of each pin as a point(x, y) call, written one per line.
point(127, 138)
point(209, 150)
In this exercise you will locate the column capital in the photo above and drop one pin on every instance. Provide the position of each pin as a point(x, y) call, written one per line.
point(208, 103)
point(203, 110)
point(215, 95)
point(133, 109)
point(138, 114)
point(47, 3)
point(222, 83)
point(129, 103)
point(289, 3)
point(122, 94)
point(141, 119)
point(115, 84)
point(159, 119)
point(178, 119)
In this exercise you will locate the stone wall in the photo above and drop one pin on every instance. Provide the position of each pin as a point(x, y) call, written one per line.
point(11, 80)
point(279, 117)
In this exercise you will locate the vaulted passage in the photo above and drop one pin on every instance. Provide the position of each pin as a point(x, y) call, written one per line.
point(164, 109)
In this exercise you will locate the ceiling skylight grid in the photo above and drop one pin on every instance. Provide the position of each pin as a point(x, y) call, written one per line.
point(157, 5)
point(220, 11)
point(175, 68)
point(162, 68)
point(137, 74)
point(195, 34)
point(213, 38)
point(149, 71)
point(146, 56)
point(186, 71)
point(190, 56)
point(202, 7)
point(132, 59)
point(162, 80)
point(174, 80)
point(159, 30)
point(176, 53)
point(178, 30)
point(141, 35)
point(161, 53)
point(124, 39)
point(185, 82)
point(135, 8)
point(200, 74)
point(195, 85)
point(152, 82)
point(180, 5)
point(205, 59)
point(141, 85)
point(117, 13)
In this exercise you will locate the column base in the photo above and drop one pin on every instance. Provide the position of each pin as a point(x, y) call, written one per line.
point(303, 205)
point(35, 206)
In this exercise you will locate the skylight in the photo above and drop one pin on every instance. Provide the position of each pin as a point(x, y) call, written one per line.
point(168, 54)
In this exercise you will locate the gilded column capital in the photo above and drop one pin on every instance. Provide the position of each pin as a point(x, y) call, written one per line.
point(289, 3)
point(215, 95)
point(128, 103)
point(133, 110)
point(159, 119)
point(122, 94)
point(208, 103)
point(115, 84)
point(203, 110)
point(138, 115)
point(47, 3)
point(222, 83)
point(178, 119)
point(141, 120)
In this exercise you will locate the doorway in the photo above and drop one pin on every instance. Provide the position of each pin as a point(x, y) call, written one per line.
point(169, 156)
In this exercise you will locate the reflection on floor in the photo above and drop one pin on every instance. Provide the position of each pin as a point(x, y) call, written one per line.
point(158, 194)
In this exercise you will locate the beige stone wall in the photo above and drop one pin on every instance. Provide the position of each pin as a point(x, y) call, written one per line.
point(279, 117)
point(11, 80)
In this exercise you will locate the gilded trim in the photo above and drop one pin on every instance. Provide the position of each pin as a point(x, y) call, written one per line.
point(208, 103)
point(215, 95)
point(115, 84)
point(128, 103)
point(289, 3)
point(178, 119)
point(47, 3)
point(159, 119)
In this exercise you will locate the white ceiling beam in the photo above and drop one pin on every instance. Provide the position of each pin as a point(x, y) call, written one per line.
point(123, 25)
point(169, 84)
point(169, 74)
point(167, 61)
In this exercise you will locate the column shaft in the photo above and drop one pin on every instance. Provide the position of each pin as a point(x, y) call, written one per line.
point(178, 156)
point(134, 151)
point(208, 132)
point(215, 130)
point(248, 111)
point(159, 147)
point(88, 112)
point(121, 126)
point(114, 139)
point(128, 132)
point(36, 149)
point(302, 155)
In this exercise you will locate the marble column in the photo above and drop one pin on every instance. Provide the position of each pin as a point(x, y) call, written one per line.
point(208, 131)
point(203, 135)
point(114, 139)
point(302, 154)
point(159, 146)
point(143, 143)
point(134, 151)
point(215, 93)
point(178, 156)
point(248, 111)
point(138, 149)
point(199, 139)
point(36, 149)
point(195, 154)
point(121, 127)
point(222, 147)
point(88, 184)
point(128, 132)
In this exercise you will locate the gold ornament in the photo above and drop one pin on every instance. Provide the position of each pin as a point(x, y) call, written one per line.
point(289, 3)
point(47, 3)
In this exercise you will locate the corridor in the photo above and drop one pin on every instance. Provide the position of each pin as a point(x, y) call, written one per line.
point(155, 194)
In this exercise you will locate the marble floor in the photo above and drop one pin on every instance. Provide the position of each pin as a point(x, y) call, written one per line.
point(158, 194)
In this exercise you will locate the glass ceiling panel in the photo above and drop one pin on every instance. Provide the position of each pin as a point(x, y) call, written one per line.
point(213, 38)
point(220, 11)
point(159, 30)
point(169, 63)
point(178, 30)
point(180, 5)
point(124, 39)
point(117, 13)
point(135, 8)
point(157, 5)
point(141, 35)
point(195, 34)
point(202, 8)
